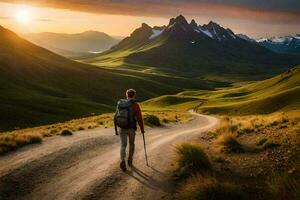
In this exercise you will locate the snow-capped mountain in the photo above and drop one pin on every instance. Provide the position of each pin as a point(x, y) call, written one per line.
point(245, 37)
point(216, 32)
point(285, 44)
point(197, 50)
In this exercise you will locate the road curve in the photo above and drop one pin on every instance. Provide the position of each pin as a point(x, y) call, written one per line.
point(85, 165)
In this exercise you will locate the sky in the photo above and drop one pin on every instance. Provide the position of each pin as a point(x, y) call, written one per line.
point(256, 18)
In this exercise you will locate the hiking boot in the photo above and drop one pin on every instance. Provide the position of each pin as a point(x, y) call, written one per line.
point(123, 166)
point(130, 163)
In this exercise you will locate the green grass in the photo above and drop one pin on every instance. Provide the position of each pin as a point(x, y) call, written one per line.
point(278, 94)
point(169, 102)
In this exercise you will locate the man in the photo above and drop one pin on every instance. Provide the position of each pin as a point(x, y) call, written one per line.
point(128, 114)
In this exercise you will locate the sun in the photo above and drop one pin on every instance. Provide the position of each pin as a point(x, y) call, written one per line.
point(23, 16)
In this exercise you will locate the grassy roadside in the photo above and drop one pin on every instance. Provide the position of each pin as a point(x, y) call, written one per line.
point(255, 151)
point(13, 140)
point(252, 157)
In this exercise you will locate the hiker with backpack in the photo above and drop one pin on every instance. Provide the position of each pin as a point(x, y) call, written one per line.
point(128, 115)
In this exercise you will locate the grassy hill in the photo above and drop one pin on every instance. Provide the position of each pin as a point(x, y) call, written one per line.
point(40, 87)
point(280, 93)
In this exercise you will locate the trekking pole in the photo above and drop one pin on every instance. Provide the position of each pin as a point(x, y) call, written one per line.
point(145, 149)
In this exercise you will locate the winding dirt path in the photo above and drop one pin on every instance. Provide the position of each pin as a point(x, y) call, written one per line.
point(86, 165)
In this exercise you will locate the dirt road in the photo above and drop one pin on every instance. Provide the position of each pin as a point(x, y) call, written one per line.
point(86, 165)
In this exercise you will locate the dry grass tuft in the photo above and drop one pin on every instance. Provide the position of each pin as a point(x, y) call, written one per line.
point(14, 141)
point(228, 143)
point(191, 159)
point(151, 120)
point(285, 187)
point(66, 132)
point(209, 188)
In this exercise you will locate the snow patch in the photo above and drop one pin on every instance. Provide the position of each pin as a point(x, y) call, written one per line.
point(278, 40)
point(206, 32)
point(155, 33)
point(297, 37)
point(234, 37)
point(262, 40)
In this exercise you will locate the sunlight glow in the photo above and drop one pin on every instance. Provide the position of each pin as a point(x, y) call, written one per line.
point(23, 16)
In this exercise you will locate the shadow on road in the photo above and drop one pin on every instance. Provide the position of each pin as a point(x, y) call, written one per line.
point(150, 181)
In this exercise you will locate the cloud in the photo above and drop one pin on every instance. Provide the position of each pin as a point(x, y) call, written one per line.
point(4, 17)
point(277, 11)
point(34, 19)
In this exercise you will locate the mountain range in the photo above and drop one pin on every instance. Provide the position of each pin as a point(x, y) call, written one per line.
point(285, 44)
point(73, 44)
point(206, 51)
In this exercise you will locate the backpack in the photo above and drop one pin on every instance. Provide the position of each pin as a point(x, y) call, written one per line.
point(125, 116)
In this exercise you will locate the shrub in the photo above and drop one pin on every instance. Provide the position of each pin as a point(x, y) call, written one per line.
point(284, 187)
point(262, 141)
point(81, 128)
point(274, 123)
point(191, 159)
point(152, 120)
point(208, 188)
point(212, 134)
point(218, 159)
point(165, 120)
point(12, 142)
point(269, 144)
point(233, 128)
point(245, 130)
point(53, 131)
point(228, 143)
point(66, 132)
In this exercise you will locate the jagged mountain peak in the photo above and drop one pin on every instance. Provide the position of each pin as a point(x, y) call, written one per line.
point(141, 30)
point(193, 24)
point(215, 31)
point(146, 26)
point(180, 19)
point(212, 23)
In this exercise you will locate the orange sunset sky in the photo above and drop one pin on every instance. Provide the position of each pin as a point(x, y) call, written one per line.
point(120, 18)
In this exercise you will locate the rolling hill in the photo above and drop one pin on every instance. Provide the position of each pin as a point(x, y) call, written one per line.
point(191, 50)
point(73, 44)
point(280, 93)
point(40, 87)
